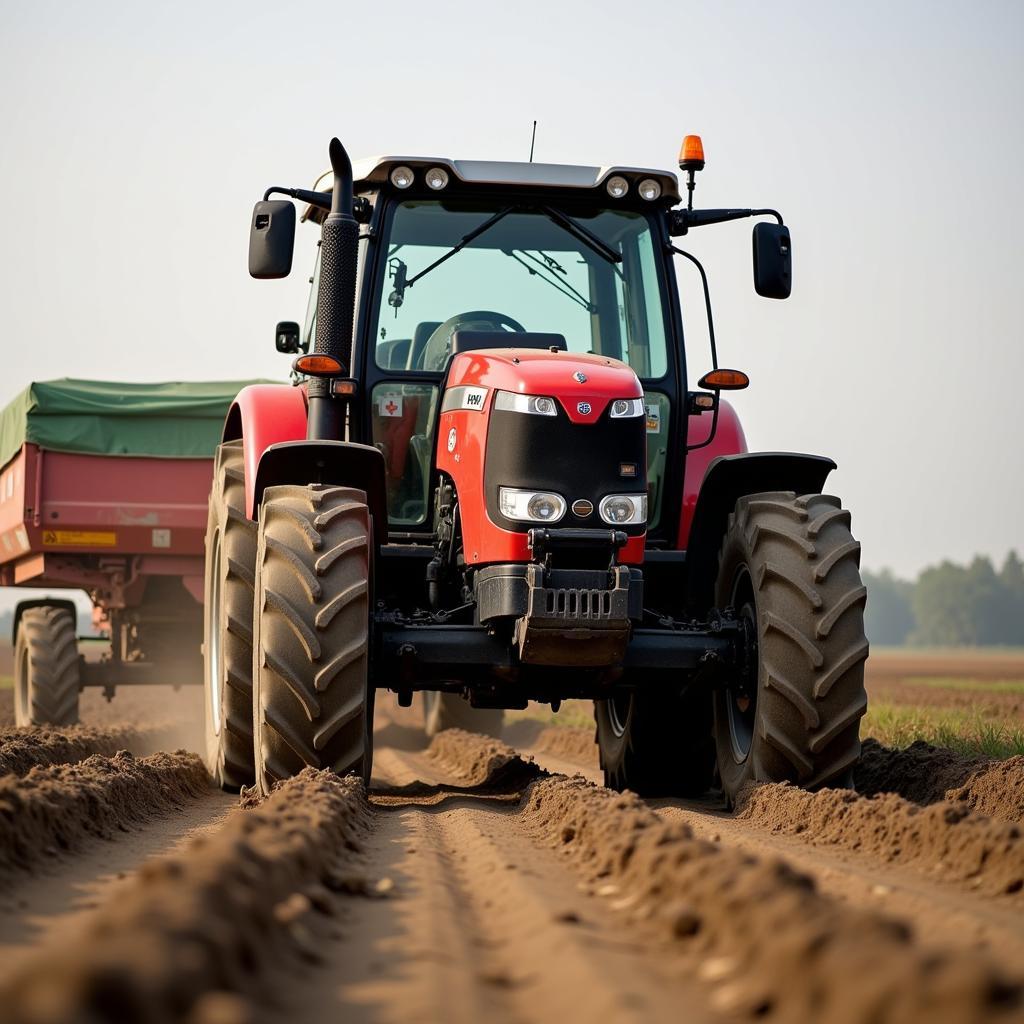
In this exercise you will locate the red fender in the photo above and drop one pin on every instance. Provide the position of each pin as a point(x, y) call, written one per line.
point(262, 415)
point(729, 440)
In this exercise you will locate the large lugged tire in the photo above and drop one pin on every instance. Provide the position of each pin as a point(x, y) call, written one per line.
point(227, 631)
point(656, 744)
point(450, 711)
point(46, 675)
point(790, 567)
point(312, 704)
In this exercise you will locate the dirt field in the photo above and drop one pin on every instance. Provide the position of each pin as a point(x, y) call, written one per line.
point(478, 881)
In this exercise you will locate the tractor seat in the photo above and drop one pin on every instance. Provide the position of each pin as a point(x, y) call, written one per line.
point(467, 341)
point(420, 337)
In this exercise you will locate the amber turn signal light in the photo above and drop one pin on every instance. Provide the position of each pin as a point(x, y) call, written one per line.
point(724, 380)
point(691, 155)
point(316, 364)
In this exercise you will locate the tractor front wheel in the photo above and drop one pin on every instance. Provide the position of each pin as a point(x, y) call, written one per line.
point(227, 647)
point(789, 567)
point(46, 674)
point(312, 703)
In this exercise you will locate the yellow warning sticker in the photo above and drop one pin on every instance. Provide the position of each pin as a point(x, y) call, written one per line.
point(80, 538)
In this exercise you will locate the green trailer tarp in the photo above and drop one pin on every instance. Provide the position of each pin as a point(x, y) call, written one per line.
point(175, 420)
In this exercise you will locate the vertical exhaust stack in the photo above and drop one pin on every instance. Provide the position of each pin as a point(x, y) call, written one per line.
point(336, 299)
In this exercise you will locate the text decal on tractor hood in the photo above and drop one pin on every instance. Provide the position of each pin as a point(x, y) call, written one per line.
point(464, 397)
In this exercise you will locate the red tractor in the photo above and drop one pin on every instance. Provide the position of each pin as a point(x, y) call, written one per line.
point(493, 481)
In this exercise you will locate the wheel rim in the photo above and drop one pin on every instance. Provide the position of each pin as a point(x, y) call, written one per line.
point(213, 653)
point(22, 682)
point(618, 713)
point(741, 696)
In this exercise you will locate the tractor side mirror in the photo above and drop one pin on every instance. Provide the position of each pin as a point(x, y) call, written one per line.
point(271, 239)
point(287, 336)
point(773, 261)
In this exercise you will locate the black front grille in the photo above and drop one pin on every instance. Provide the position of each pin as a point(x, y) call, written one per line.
point(576, 460)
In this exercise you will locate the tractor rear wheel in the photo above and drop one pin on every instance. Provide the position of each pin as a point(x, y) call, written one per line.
point(656, 744)
point(789, 566)
point(312, 702)
point(46, 674)
point(451, 711)
point(227, 647)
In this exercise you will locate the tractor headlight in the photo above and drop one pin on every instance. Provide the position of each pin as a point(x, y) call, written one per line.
point(624, 509)
point(538, 405)
point(530, 506)
point(623, 408)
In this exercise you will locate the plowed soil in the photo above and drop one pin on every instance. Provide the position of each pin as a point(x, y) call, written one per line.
point(480, 881)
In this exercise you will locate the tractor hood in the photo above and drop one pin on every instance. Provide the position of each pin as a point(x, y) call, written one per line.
point(582, 384)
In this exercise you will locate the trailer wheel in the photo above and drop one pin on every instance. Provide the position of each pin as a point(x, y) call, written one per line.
point(451, 711)
point(230, 563)
point(46, 674)
point(789, 566)
point(312, 701)
point(656, 745)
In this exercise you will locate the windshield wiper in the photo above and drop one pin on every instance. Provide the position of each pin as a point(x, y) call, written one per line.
point(583, 234)
point(548, 265)
point(398, 295)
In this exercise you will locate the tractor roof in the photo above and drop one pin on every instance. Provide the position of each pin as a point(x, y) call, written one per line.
point(372, 172)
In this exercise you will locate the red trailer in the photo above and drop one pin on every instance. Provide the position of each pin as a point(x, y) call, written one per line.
point(104, 488)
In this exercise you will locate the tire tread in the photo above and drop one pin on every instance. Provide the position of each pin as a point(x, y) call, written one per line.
point(804, 566)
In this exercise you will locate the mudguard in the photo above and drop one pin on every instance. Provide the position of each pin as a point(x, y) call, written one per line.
point(263, 415)
point(727, 479)
point(329, 462)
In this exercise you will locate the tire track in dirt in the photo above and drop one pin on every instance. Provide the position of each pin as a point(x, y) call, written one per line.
point(484, 923)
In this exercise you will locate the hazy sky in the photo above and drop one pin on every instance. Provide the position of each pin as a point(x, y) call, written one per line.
point(891, 136)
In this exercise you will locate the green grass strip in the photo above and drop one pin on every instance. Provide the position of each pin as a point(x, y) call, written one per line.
point(967, 732)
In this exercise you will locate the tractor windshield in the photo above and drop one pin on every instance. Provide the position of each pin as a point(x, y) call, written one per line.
point(526, 271)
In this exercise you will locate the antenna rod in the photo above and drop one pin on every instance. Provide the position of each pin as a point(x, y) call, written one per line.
point(533, 139)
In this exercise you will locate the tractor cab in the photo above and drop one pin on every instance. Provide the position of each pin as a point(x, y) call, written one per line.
point(474, 256)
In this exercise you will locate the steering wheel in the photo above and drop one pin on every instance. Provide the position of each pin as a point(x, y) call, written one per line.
point(439, 345)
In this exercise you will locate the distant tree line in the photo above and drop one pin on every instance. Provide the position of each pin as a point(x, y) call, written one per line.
point(948, 605)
